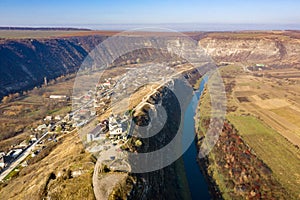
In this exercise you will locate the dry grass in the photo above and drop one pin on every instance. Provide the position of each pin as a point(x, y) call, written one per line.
point(34, 34)
point(273, 117)
point(19, 116)
point(274, 100)
point(252, 35)
point(282, 157)
point(52, 178)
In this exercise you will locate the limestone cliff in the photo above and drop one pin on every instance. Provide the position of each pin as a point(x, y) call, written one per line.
point(279, 50)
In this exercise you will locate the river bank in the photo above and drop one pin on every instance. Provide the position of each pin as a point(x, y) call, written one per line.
point(232, 168)
point(203, 163)
point(197, 182)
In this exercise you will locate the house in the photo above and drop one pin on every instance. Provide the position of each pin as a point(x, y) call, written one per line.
point(116, 132)
point(24, 164)
point(33, 138)
point(93, 113)
point(14, 153)
point(76, 117)
point(48, 118)
point(80, 124)
point(23, 144)
point(41, 127)
point(86, 98)
point(96, 134)
point(115, 127)
point(67, 117)
point(57, 117)
point(106, 84)
point(260, 65)
point(2, 162)
point(58, 97)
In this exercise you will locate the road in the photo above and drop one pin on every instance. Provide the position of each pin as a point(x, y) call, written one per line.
point(21, 157)
point(26, 153)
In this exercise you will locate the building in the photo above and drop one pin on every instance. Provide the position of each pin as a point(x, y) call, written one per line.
point(23, 144)
point(33, 138)
point(93, 113)
point(116, 132)
point(41, 127)
point(106, 84)
point(57, 117)
point(48, 118)
point(96, 134)
point(260, 65)
point(115, 127)
point(2, 162)
point(14, 153)
point(63, 97)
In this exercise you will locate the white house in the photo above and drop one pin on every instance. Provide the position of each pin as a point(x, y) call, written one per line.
point(95, 134)
point(58, 97)
point(57, 117)
point(41, 127)
point(107, 84)
point(14, 153)
point(33, 138)
point(116, 131)
point(48, 118)
point(115, 127)
point(2, 162)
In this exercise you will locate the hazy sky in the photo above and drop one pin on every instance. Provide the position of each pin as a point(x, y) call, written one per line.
point(69, 12)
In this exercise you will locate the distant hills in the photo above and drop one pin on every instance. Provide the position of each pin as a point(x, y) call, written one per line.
point(44, 29)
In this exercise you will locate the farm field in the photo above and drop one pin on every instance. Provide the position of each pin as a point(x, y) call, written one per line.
point(272, 148)
point(274, 100)
point(265, 111)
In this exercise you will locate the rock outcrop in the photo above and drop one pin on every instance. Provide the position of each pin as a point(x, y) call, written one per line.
point(277, 51)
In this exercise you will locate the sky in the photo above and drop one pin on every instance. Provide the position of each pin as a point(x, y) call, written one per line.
point(97, 12)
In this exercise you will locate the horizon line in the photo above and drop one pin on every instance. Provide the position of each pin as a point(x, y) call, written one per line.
point(176, 26)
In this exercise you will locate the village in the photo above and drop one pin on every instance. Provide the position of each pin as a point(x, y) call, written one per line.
point(107, 134)
point(51, 130)
point(111, 135)
point(113, 130)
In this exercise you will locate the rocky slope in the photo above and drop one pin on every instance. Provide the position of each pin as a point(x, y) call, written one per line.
point(25, 62)
point(278, 50)
point(169, 182)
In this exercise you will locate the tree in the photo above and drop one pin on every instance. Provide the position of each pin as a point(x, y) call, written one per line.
point(138, 143)
point(6, 99)
point(45, 95)
point(58, 128)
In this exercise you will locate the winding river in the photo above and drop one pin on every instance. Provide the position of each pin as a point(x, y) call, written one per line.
point(197, 184)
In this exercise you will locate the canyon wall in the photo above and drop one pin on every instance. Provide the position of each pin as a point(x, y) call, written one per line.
point(25, 62)
point(274, 51)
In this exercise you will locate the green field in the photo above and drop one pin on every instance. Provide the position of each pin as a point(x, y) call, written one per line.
point(280, 155)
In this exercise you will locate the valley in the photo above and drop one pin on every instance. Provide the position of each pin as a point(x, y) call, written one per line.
point(257, 155)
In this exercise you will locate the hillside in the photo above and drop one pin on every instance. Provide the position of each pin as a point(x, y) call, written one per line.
point(277, 49)
point(25, 61)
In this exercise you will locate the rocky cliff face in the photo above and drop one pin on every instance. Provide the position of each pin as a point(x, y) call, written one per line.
point(25, 62)
point(164, 183)
point(275, 51)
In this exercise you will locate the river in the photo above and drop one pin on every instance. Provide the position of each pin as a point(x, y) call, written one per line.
point(197, 184)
